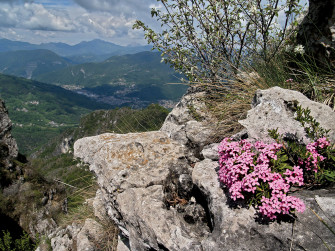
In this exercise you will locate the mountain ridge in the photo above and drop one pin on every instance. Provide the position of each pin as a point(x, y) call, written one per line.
point(28, 63)
point(95, 49)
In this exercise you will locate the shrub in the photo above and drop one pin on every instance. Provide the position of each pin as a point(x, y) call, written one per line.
point(22, 244)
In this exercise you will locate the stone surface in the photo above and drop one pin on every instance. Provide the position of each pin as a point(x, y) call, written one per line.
point(138, 174)
point(211, 152)
point(8, 146)
point(317, 31)
point(121, 245)
point(188, 123)
point(88, 239)
point(64, 239)
point(99, 207)
point(131, 160)
point(272, 108)
point(86, 236)
point(327, 204)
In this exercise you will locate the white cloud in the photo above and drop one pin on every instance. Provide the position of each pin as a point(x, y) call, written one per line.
point(125, 7)
point(34, 17)
point(72, 21)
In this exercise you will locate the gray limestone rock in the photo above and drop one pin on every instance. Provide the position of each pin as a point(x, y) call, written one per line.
point(99, 207)
point(273, 108)
point(211, 152)
point(130, 160)
point(327, 204)
point(88, 239)
point(121, 245)
point(64, 239)
point(8, 146)
point(189, 123)
point(146, 183)
point(84, 237)
point(160, 200)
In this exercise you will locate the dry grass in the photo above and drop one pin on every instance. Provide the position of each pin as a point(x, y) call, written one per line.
point(229, 102)
point(109, 240)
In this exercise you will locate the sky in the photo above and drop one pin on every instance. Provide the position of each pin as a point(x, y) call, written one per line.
point(73, 21)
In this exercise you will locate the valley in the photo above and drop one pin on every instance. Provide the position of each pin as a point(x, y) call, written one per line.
point(135, 80)
point(47, 92)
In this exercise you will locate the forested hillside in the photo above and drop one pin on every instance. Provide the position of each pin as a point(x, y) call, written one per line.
point(40, 111)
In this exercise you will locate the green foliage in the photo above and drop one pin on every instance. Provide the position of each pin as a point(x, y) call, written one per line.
point(294, 153)
point(30, 63)
point(311, 126)
point(298, 72)
point(22, 244)
point(315, 81)
point(122, 120)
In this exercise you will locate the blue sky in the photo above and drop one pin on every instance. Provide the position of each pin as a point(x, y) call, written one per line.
point(73, 21)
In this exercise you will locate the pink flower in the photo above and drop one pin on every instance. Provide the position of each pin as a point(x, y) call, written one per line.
point(295, 177)
point(239, 173)
point(313, 155)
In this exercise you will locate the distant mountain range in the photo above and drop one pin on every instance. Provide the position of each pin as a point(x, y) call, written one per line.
point(91, 51)
point(134, 79)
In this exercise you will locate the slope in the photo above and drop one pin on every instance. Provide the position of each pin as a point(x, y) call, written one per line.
point(28, 63)
point(41, 111)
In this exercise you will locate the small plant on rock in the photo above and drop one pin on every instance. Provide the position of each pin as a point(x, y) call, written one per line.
point(264, 174)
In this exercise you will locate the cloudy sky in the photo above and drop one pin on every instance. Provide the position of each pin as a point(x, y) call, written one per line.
point(73, 21)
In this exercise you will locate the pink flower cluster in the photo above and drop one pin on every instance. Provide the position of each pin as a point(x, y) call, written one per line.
point(246, 168)
point(280, 204)
point(313, 156)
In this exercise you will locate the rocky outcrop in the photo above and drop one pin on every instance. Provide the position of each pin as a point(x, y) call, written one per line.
point(88, 235)
point(141, 175)
point(8, 146)
point(163, 199)
point(317, 31)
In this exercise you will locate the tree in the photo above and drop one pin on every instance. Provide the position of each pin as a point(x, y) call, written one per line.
point(316, 32)
point(211, 40)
